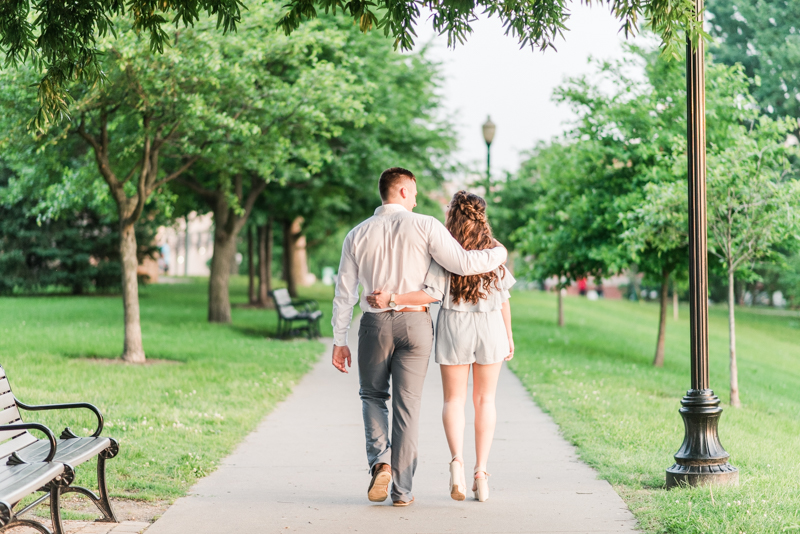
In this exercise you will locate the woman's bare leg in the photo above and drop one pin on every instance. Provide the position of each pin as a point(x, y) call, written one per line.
point(484, 388)
point(454, 383)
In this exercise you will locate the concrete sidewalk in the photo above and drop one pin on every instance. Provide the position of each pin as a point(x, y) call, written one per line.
point(304, 470)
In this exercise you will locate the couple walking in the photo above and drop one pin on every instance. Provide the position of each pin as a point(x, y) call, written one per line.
point(405, 262)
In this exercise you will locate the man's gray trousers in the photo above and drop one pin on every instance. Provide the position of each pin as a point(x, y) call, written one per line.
point(397, 345)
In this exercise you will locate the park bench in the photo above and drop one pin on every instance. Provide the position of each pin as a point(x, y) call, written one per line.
point(23, 451)
point(288, 315)
point(19, 480)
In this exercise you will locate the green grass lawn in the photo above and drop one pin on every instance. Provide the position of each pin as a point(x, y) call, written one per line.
point(176, 417)
point(595, 377)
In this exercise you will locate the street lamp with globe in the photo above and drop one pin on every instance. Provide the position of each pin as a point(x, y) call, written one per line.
point(488, 135)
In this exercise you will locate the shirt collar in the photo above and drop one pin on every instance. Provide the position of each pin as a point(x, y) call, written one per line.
point(389, 208)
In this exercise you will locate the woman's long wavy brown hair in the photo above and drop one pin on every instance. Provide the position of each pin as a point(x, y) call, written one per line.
point(467, 222)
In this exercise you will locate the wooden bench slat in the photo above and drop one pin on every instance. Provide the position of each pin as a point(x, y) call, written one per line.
point(8, 434)
point(22, 440)
point(288, 312)
point(6, 400)
point(17, 481)
point(8, 413)
point(4, 386)
point(8, 416)
point(73, 451)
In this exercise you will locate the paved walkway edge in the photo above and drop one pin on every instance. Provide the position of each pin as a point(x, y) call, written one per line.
point(304, 470)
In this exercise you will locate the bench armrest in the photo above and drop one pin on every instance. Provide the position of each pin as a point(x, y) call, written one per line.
point(41, 428)
point(68, 406)
point(308, 304)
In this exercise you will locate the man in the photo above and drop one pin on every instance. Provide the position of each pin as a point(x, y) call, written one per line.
point(392, 250)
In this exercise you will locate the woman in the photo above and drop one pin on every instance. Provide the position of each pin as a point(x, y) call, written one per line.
point(473, 329)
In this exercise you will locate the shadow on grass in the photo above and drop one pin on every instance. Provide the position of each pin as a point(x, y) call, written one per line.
point(116, 359)
point(257, 332)
point(248, 306)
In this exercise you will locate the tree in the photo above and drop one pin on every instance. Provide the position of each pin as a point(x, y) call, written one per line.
point(622, 140)
point(533, 24)
point(764, 38)
point(402, 125)
point(294, 95)
point(151, 121)
point(549, 237)
point(753, 197)
point(511, 206)
point(77, 252)
point(206, 100)
point(752, 206)
point(657, 233)
point(63, 41)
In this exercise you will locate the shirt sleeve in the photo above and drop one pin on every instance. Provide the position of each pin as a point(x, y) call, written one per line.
point(346, 294)
point(506, 283)
point(449, 253)
point(435, 281)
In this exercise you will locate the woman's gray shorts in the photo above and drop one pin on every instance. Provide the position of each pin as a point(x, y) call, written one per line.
point(471, 337)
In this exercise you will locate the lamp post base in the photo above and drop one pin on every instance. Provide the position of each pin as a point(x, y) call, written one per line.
point(701, 460)
point(702, 475)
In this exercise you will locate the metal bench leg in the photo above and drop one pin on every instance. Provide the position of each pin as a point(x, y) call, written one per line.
point(105, 502)
point(30, 524)
point(9, 519)
point(102, 501)
point(55, 509)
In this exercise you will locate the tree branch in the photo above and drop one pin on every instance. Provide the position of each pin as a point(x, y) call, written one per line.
point(183, 168)
point(103, 165)
point(257, 187)
point(197, 188)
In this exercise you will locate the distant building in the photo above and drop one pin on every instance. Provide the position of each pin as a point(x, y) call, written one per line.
point(187, 253)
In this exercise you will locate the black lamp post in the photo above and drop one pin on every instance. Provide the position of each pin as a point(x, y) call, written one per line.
point(488, 135)
point(701, 459)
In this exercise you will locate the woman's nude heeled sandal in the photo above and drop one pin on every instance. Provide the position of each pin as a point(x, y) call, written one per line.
point(481, 488)
point(457, 484)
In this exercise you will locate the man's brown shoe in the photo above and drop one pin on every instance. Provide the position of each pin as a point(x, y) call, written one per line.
point(379, 485)
point(403, 503)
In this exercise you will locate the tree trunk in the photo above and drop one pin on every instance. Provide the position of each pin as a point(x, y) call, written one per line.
point(740, 293)
point(658, 360)
point(295, 258)
point(219, 303)
point(285, 253)
point(265, 263)
point(560, 290)
point(300, 262)
point(251, 272)
point(732, 329)
point(674, 302)
point(133, 349)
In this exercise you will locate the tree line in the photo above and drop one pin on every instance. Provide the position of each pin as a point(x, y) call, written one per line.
point(254, 126)
point(610, 195)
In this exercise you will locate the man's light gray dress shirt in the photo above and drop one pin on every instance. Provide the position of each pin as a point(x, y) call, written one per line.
point(392, 251)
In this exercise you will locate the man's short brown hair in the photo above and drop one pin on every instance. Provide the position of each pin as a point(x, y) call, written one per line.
point(392, 176)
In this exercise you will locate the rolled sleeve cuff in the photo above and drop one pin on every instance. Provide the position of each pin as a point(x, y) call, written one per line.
point(434, 293)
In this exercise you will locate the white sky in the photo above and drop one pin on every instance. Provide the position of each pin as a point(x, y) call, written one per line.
point(490, 75)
